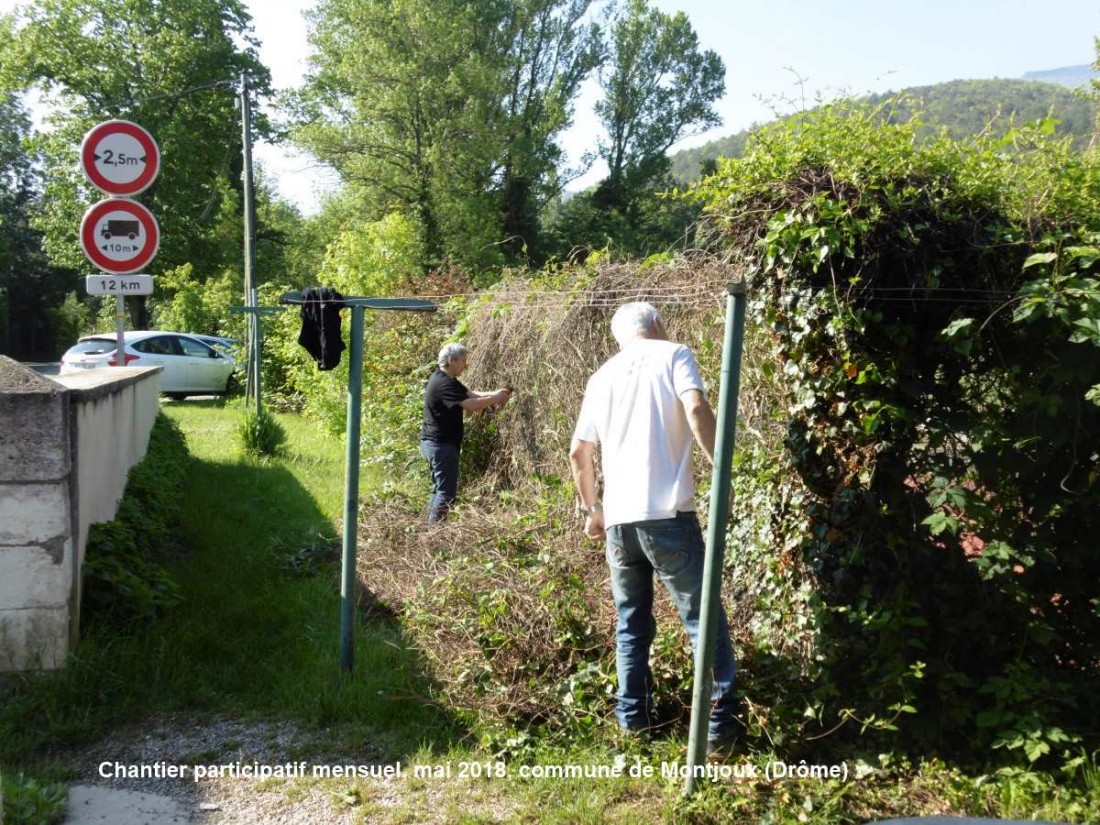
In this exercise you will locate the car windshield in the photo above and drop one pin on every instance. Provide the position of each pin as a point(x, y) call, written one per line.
point(94, 346)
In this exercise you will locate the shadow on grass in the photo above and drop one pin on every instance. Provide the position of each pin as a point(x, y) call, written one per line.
point(255, 637)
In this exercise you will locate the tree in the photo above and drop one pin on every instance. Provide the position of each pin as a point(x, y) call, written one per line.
point(447, 111)
point(547, 51)
point(170, 65)
point(659, 88)
point(395, 104)
point(30, 288)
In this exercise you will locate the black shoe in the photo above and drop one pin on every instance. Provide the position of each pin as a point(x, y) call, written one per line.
point(727, 743)
point(724, 749)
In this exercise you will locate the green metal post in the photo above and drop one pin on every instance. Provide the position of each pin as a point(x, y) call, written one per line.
point(716, 530)
point(348, 598)
point(351, 492)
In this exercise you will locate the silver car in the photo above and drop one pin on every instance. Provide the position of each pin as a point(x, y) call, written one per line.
point(189, 366)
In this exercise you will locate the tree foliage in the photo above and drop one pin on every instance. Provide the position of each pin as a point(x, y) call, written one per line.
point(31, 291)
point(386, 105)
point(170, 65)
point(550, 51)
point(448, 111)
point(659, 88)
point(961, 107)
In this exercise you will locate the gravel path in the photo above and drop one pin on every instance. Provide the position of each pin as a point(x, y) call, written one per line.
point(163, 756)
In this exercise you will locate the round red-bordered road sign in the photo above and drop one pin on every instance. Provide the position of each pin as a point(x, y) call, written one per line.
point(119, 236)
point(120, 157)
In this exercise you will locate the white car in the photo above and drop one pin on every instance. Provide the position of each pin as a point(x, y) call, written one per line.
point(189, 366)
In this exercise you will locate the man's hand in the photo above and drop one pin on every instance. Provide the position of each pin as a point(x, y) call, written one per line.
point(594, 526)
point(485, 400)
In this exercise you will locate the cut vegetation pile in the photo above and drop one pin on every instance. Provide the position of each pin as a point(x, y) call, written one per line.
point(508, 599)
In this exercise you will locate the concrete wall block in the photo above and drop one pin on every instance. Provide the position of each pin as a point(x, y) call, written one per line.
point(112, 435)
point(34, 576)
point(32, 639)
point(33, 513)
point(34, 429)
point(62, 448)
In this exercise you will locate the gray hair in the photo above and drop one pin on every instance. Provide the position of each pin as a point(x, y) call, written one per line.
point(450, 351)
point(631, 320)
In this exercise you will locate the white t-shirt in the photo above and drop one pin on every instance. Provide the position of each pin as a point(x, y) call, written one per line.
point(632, 409)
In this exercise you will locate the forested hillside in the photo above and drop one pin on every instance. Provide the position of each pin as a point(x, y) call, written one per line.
point(962, 107)
point(1072, 77)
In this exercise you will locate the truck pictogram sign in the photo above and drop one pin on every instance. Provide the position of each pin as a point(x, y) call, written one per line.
point(119, 236)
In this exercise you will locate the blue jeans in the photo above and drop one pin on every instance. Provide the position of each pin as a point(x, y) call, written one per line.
point(443, 463)
point(673, 548)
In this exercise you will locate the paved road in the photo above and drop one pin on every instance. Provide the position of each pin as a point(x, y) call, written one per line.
point(43, 368)
point(89, 805)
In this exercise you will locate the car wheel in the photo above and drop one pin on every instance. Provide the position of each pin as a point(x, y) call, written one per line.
point(230, 385)
point(177, 396)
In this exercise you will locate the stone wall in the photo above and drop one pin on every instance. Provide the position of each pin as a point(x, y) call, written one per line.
point(66, 446)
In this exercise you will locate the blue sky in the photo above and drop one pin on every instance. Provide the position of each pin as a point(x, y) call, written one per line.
point(834, 46)
point(865, 46)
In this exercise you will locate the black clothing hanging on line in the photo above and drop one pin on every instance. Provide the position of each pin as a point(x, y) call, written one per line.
point(320, 333)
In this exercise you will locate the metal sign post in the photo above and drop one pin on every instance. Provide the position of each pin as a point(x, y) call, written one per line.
point(251, 297)
point(255, 315)
point(716, 530)
point(351, 461)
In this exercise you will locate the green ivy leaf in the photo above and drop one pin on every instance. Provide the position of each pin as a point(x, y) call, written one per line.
point(1040, 258)
point(1086, 329)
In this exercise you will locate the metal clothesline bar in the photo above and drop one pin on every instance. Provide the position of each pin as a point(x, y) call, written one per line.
point(259, 310)
point(400, 304)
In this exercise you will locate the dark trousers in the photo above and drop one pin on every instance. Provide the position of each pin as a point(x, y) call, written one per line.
point(443, 463)
point(674, 550)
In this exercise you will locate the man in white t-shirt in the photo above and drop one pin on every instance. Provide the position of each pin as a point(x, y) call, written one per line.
point(644, 407)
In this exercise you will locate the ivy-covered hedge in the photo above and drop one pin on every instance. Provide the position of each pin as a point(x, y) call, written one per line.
point(125, 580)
point(934, 320)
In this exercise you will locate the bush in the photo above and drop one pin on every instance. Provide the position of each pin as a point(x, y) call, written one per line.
point(261, 435)
point(508, 600)
point(931, 310)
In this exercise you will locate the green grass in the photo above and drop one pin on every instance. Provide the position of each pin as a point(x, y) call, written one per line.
point(257, 636)
point(254, 636)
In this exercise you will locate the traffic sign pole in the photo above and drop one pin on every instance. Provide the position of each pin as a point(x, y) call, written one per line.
point(120, 328)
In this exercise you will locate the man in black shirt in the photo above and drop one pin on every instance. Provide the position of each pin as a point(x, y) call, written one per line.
point(445, 398)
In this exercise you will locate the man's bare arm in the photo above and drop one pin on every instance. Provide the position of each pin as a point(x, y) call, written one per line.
point(481, 400)
point(701, 421)
point(582, 462)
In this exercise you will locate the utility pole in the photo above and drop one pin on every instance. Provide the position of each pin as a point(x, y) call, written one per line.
point(251, 297)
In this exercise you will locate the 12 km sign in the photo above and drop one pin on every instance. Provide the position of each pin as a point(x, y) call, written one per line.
point(120, 158)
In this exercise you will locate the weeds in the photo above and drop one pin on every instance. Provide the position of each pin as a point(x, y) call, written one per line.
point(24, 801)
point(260, 434)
